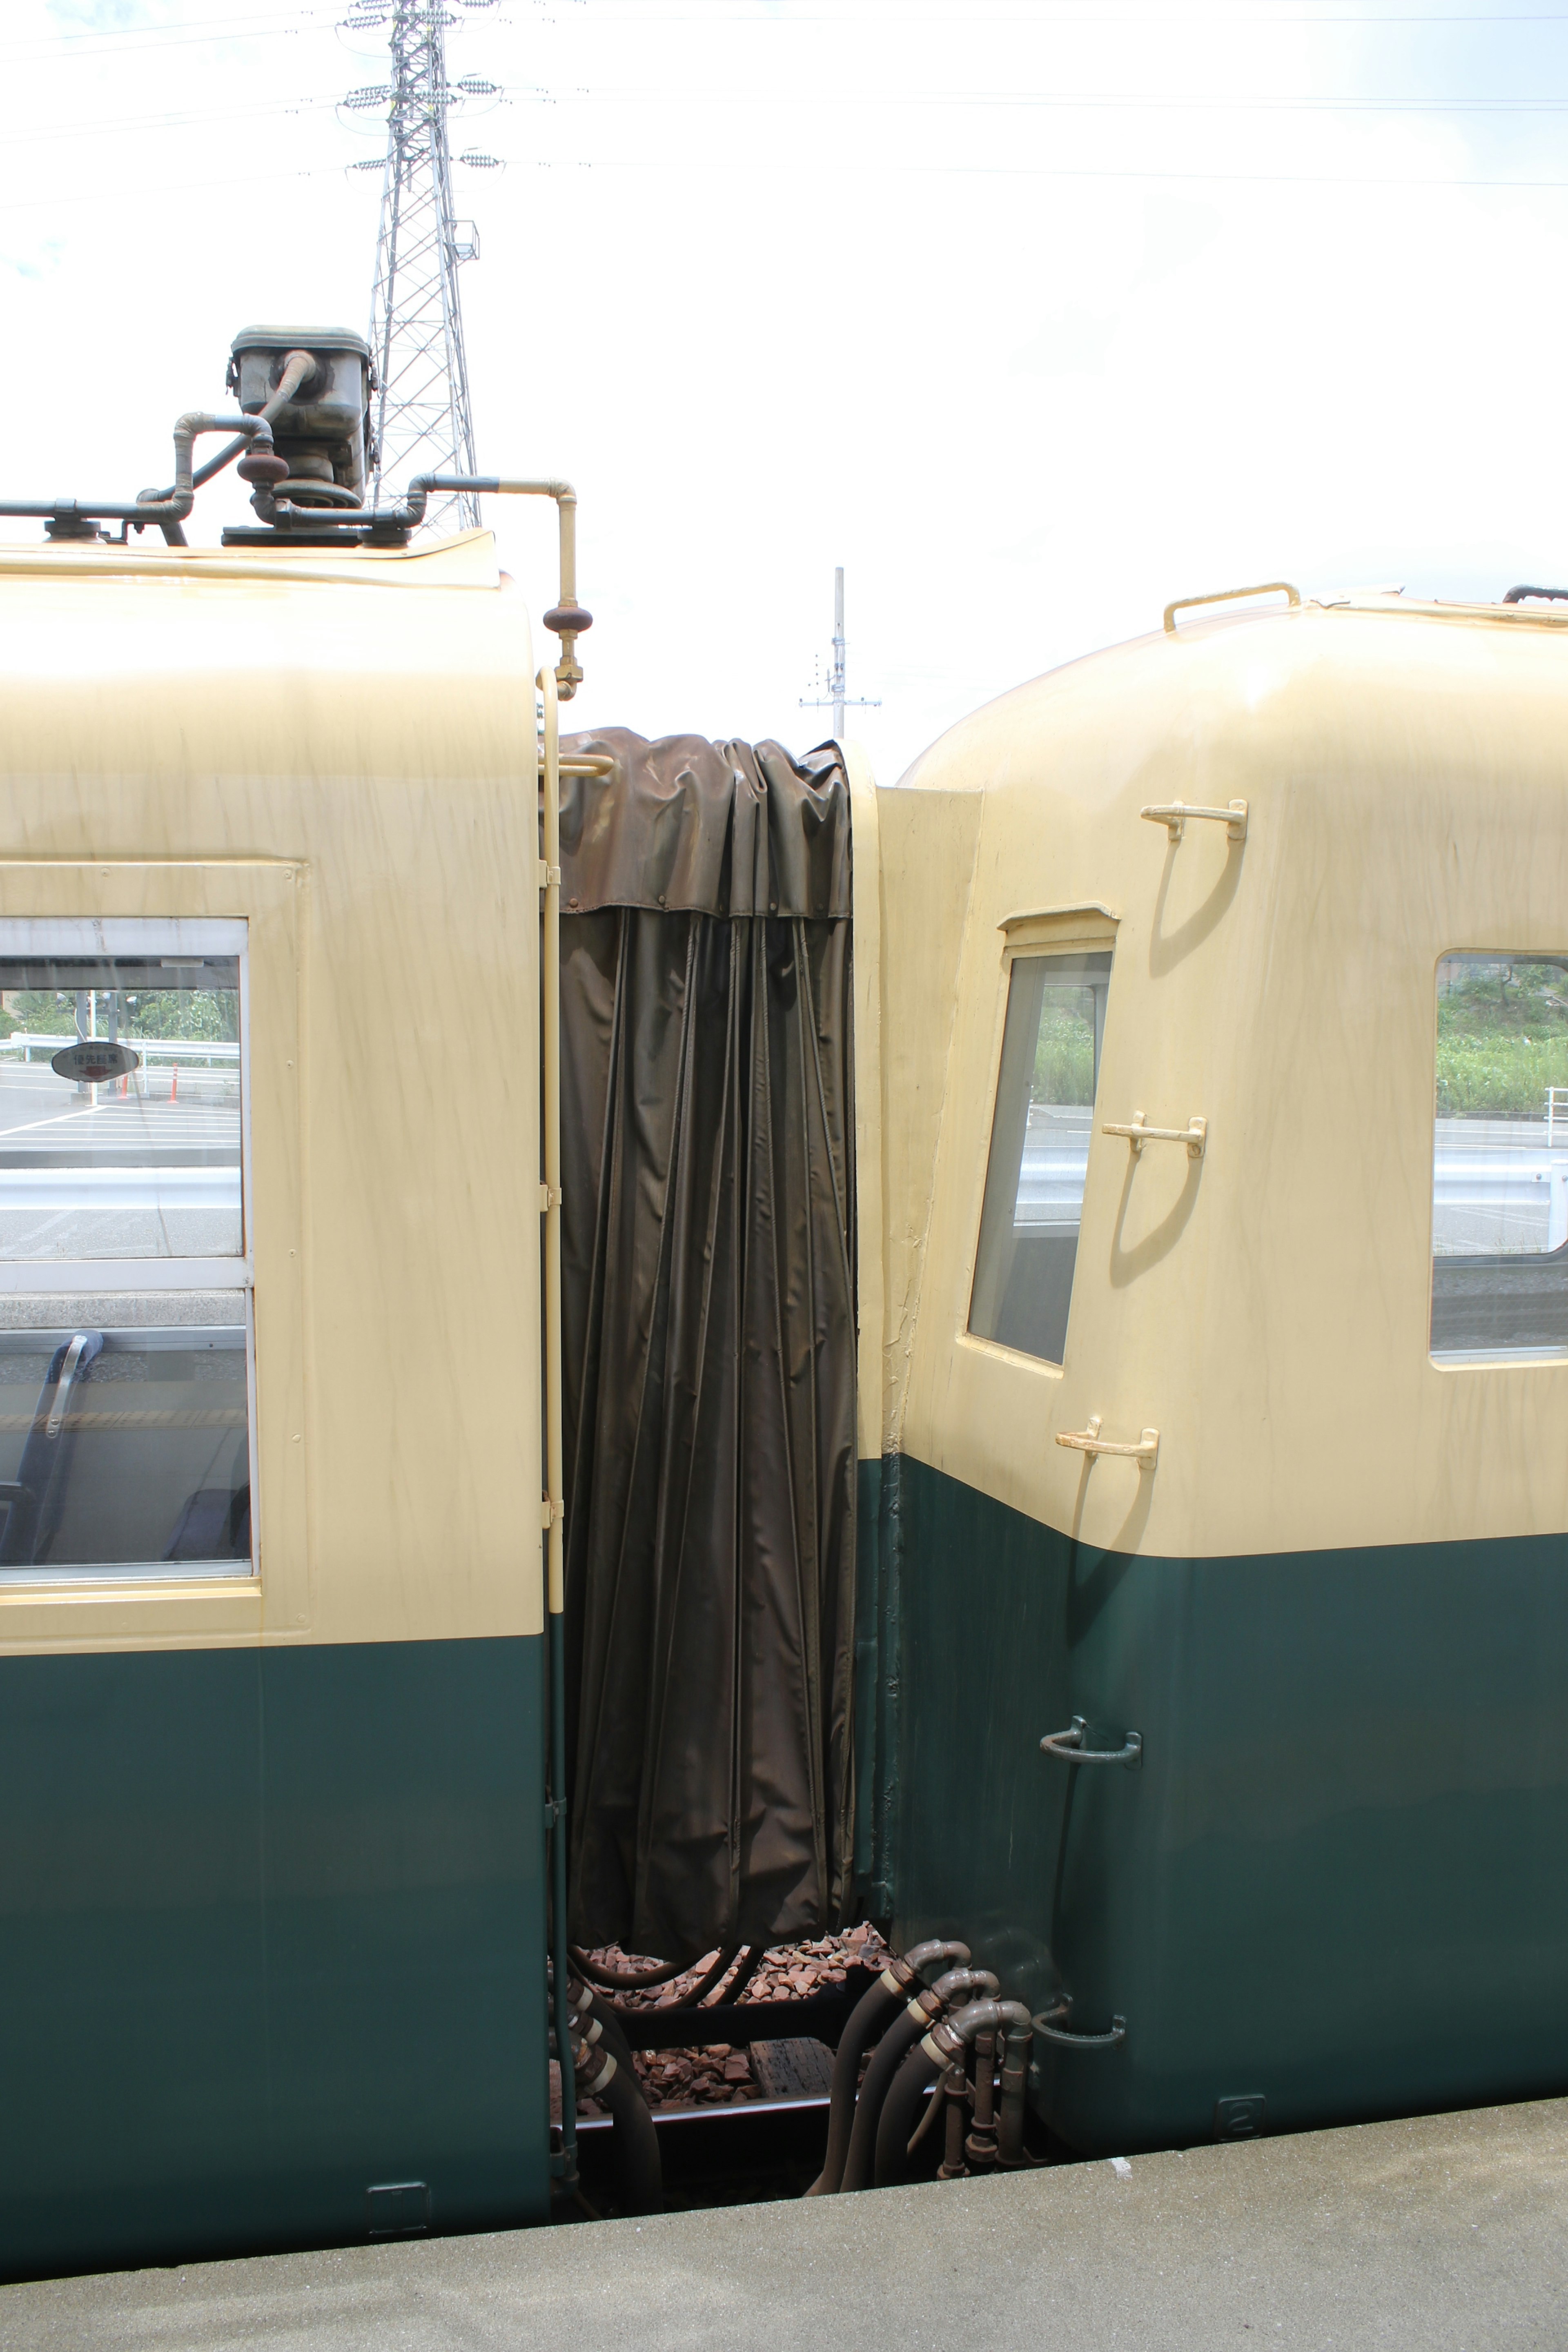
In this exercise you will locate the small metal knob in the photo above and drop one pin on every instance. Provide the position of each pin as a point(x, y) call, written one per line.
point(568, 620)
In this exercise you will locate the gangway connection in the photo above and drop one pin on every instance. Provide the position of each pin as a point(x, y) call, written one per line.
point(809, 2070)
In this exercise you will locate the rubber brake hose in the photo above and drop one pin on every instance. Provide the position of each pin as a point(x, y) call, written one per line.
point(638, 2165)
point(921, 2013)
point(623, 1979)
point(866, 2020)
point(639, 2169)
point(896, 2124)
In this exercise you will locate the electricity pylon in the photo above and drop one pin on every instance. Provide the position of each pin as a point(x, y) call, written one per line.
point(421, 415)
point(836, 699)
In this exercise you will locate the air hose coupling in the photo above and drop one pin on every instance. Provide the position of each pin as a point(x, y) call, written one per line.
point(592, 2069)
point(902, 1973)
point(933, 2000)
point(950, 2038)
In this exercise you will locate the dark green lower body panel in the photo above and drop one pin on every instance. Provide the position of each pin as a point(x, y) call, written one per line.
point(1339, 1881)
point(271, 1934)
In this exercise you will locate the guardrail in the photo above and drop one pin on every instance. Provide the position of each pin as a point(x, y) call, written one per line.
point(151, 1049)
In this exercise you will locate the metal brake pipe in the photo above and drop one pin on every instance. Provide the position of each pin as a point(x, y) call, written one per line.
point(925, 2010)
point(555, 1500)
point(567, 620)
point(168, 510)
point(866, 2021)
point(942, 2047)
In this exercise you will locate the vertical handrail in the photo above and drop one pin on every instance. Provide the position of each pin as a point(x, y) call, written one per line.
point(555, 1580)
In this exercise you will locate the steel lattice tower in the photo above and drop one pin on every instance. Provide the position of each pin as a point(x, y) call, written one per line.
point(422, 418)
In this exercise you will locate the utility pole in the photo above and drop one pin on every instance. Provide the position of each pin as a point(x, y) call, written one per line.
point(837, 697)
point(420, 414)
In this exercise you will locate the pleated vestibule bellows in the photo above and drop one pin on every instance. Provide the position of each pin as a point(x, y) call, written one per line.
point(708, 1327)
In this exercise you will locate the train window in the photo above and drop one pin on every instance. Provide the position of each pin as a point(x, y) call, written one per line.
point(1039, 1151)
point(126, 1429)
point(1500, 1158)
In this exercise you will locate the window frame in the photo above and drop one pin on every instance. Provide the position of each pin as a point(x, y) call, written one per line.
point(95, 1277)
point(271, 894)
point(1086, 929)
point(1495, 1357)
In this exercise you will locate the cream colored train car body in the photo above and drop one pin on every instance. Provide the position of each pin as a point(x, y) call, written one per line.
point(287, 1809)
point(1335, 1606)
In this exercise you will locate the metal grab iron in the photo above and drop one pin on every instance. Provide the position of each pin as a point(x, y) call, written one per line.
point(1068, 1748)
point(1137, 1131)
point(1229, 596)
point(1145, 1451)
point(1059, 2034)
point(1173, 816)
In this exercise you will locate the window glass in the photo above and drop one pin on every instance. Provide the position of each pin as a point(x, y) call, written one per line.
point(120, 1106)
point(1039, 1151)
point(1499, 1158)
point(126, 1429)
point(124, 1435)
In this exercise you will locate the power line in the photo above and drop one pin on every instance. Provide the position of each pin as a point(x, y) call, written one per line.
point(99, 42)
point(1131, 102)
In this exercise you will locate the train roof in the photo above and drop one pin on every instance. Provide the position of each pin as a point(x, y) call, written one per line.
point(468, 560)
point(1273, 679)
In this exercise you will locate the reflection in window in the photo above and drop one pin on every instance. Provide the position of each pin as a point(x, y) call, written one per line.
point(125, 1322)
point(124, 1435)
point(142, 1161)
point(1039, 1152)
point(1499, 1158)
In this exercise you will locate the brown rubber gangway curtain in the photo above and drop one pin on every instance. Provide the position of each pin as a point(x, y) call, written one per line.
point(709, 1338)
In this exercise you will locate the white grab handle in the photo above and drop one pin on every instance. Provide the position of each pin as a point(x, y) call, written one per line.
point(1145, 1453)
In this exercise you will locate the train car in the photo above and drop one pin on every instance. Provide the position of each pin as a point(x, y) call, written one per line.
point(271, 1611)
point(694, 1354)
point(1214, 1531)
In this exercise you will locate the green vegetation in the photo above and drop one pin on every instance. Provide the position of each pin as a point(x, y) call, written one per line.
point(194, 1015)
point(1064, 1051)
point(1502, 1037)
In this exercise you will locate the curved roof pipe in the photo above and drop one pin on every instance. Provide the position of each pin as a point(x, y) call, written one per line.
point(568, 620)
point(167, 510)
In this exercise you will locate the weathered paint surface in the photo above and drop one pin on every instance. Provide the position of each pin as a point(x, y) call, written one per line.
point(273, 1928)
point(1340, 1879)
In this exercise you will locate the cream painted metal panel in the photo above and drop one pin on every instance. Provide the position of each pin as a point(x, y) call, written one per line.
point(866, 900)
point(926, 848)
point(1265, 1308)
point(348, 758)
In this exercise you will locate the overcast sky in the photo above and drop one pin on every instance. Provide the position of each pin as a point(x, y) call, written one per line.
point(1031, 313)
